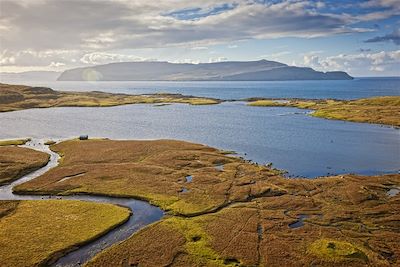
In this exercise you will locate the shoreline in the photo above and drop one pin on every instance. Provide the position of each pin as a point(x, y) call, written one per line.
point(376, 110)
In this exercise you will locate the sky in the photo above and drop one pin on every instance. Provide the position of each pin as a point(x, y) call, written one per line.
point(360, 37)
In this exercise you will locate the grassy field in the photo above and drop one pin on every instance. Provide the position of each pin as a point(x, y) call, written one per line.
point(18, 161)
point(351, 221)
point(18, 97)
point(33, 233)
point(241, 215)
point(153, 171)
point(382, 110)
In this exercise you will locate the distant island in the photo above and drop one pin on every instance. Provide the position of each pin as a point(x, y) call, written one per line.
point(262, 70)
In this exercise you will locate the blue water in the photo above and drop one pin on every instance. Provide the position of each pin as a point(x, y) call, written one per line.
point(287, 137)
point(349, 89)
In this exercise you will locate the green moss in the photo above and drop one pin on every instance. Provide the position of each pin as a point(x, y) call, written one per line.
point(334, 250)
point(197, 242)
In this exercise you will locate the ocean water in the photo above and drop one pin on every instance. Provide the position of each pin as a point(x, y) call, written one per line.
point(288, 137)
point(348, 89)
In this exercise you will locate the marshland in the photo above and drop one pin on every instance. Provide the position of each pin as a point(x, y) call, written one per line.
point(212, 199)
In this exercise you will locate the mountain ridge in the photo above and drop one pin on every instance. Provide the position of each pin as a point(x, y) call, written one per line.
point(262, 70)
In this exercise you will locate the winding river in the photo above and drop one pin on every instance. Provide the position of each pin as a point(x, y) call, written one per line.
point(143, 213)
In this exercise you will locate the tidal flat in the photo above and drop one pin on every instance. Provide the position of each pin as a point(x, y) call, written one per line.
point(238, 215)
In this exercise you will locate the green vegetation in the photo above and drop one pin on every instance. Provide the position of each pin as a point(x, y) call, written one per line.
point(15, 142)
point(334, 250)
point(34, 233)
point(197, 241)
point(382, 110)
point(15, 162)
point(17, 97)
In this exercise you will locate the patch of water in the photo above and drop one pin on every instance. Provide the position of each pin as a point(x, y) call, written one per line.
point(393, 192)
point(299, 222)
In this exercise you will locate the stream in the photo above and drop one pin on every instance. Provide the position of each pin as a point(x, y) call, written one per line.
point(143, 213)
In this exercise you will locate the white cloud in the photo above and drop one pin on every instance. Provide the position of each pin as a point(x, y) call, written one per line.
point(217, 59)
point(276, 55)
point(357, 64)
point(103, 58)
point(70, 33)
point(199, 48)
point(99, 25)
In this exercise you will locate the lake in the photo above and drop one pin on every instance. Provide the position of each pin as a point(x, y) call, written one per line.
point(288, 137)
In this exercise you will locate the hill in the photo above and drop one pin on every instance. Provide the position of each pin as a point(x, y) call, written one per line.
point(262, 70)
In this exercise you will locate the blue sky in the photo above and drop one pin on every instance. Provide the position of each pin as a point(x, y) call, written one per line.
point(360, 37)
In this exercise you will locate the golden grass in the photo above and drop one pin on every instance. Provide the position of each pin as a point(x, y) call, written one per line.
point(36, 232)
point(351, 222)
point(238, 216)
point(17, 97)
point(382, 110)
point(151, 170)
point(14, 142)
point(18, 161)
point(265, 103)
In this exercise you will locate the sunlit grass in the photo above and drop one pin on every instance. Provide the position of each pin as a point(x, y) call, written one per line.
point(33, 232)
point(382, 110)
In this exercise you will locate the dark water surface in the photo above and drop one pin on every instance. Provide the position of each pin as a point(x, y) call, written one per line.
point(349, 89)
point(288, 137)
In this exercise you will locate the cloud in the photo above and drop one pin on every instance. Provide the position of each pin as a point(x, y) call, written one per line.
point(119, 24)
point(199, 48)
point(37, 58)
point(276, 55)
point(394, 37)
point(70, 33)
point(218, 59)
point(61, 59)
point(96, 58)
point(357, 64)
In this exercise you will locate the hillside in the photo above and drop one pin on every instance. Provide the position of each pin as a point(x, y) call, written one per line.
point(261, 70)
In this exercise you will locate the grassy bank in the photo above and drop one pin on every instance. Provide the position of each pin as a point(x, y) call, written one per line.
point(382, 110)
point(14, 142)
point(15, 162)
point(18, 97)
point(34, 233)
